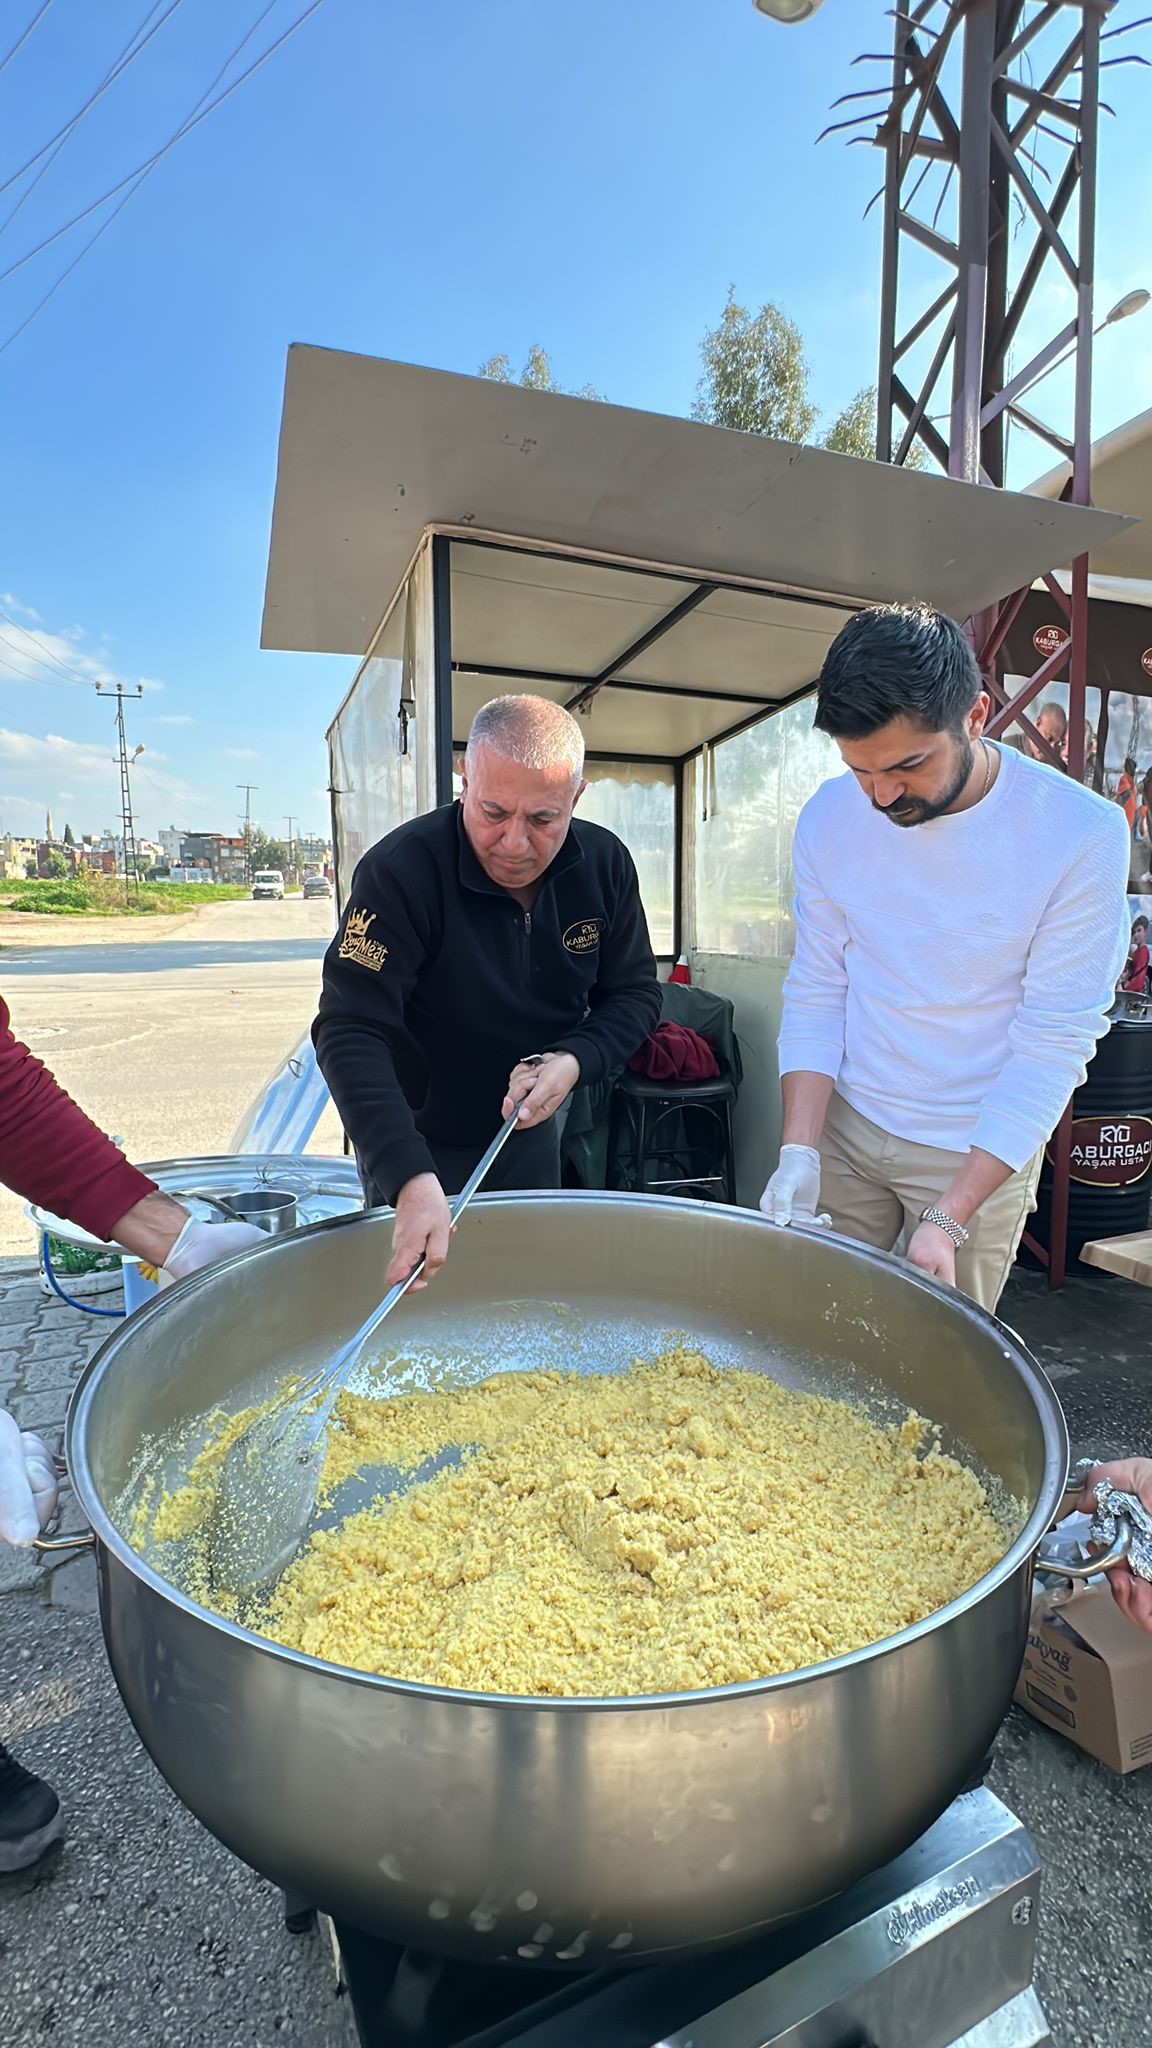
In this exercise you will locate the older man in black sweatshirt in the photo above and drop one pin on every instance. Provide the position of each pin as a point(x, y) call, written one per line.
point(476, 938)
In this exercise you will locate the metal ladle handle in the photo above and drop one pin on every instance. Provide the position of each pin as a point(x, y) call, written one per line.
point(343, 1363)
point(478, 1174)
point(341, 1368)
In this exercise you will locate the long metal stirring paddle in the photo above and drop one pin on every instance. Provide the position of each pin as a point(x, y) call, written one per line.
point(269, 1477)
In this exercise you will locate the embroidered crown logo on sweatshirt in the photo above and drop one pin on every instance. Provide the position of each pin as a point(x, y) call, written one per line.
point(355, 945)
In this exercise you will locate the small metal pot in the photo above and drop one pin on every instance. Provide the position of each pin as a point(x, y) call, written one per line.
point(270, 1209)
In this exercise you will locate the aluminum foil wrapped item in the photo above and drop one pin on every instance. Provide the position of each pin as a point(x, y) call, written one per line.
point(1112, 1509)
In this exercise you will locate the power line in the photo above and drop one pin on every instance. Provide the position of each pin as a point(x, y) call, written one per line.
point(19, 44)
point(65, 670)
point(179, 136)
point(52, 148)
point(129, 194)
point(122, 63)
point(46, 682)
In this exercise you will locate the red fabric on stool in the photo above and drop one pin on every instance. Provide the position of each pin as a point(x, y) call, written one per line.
point(673, 1053)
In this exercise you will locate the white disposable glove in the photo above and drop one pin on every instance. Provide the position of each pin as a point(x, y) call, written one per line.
point(202, 1244)
point(28, 1485)
point(794, 1189)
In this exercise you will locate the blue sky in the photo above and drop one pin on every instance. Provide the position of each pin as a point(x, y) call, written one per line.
point(434, 182)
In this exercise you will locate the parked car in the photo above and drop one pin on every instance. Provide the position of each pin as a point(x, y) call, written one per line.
point(268, 883)
point(316, 885)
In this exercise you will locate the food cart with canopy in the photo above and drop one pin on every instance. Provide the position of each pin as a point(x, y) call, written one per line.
point(675, 585)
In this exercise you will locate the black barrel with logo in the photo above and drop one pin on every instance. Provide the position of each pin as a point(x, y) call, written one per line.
point(1111, 1178)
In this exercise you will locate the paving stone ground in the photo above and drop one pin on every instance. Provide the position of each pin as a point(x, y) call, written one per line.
point(140, 1930)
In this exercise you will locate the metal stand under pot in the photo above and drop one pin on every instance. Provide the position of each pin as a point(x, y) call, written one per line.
point(935, 1951)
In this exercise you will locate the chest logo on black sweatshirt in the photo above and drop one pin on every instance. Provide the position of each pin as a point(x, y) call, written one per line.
point(355, 945)
point(583, 937)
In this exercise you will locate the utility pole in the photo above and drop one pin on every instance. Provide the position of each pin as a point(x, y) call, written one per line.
point(290, 821)
point(128, 830)
point(248, 787)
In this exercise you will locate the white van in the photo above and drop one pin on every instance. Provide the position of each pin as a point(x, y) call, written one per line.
point(268, 882)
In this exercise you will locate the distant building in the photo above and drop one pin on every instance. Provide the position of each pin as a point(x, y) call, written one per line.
point(314, 854)
point(49, 852)
point(100, 858)
point(221, 853)
point(15, 857)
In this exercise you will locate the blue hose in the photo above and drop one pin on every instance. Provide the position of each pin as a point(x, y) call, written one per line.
point(54, 1284)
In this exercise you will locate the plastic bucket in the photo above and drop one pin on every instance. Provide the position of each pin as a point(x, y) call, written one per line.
point(83, 1266)
point(138, 1288)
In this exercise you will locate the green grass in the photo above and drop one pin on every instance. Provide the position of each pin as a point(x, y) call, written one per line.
point(94, 895)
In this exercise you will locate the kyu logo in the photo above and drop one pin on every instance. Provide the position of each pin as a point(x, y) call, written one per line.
point(583, 937)
point(355, 945)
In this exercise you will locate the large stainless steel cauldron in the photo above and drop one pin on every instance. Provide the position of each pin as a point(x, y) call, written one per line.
point(568, 1831)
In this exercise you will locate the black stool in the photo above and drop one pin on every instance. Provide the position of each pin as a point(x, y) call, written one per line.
point(665, 1139)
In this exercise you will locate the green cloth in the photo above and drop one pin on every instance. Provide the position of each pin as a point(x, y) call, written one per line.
point(584, 1145)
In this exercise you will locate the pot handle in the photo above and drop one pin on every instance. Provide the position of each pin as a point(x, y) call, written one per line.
point(1117, 1550)
point(1115, 1554)
point(85, 1540)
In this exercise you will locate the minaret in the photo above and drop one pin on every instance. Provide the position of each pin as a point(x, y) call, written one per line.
point(49, 834)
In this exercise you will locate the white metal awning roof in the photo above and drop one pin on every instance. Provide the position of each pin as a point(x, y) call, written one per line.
point(553, 624)
point(1122, 478)
point(580, 529)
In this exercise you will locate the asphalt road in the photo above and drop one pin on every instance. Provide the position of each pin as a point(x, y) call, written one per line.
point(166, 1042)
point(166, 955)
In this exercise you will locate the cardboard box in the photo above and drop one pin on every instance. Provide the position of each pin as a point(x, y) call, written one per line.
point(1087, 1672)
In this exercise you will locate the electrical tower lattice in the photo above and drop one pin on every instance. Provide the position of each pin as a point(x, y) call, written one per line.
point(127, 825)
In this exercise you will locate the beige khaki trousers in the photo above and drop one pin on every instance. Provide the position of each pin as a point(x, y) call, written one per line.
point(875, 1187)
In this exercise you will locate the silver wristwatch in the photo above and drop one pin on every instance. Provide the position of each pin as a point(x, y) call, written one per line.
point(947, 1224)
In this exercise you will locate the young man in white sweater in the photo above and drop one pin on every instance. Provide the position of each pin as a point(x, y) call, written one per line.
point(961, 918)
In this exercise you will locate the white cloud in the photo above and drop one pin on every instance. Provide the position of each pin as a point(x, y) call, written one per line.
point(72, 656)
point(43, 764)
point(43, 657)
point(239, 754)
point(71, 660)
point(46, 757)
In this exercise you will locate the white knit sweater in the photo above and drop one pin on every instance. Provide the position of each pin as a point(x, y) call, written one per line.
point(953, 977)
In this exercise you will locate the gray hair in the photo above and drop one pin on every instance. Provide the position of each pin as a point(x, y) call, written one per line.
point(532, 731)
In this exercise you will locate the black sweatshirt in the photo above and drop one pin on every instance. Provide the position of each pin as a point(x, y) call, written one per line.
point(438, 982)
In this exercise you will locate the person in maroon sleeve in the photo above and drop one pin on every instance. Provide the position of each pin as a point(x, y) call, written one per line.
point(52, 1154)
